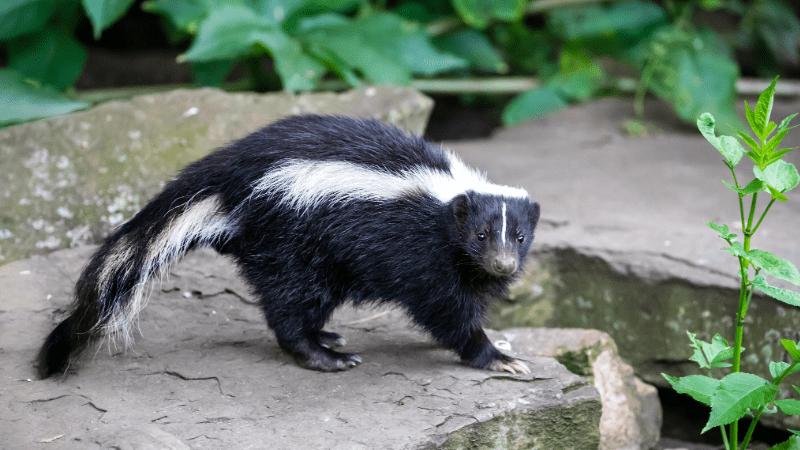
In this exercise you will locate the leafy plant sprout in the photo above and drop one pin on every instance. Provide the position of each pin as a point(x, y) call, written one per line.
point(739, 393)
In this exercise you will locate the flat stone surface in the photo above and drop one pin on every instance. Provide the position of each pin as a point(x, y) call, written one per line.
point(207, 374)
point(70, 180)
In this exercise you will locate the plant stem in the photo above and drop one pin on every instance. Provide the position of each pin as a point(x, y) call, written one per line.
point(724, 436)
point(752, 427)
point(764, 214)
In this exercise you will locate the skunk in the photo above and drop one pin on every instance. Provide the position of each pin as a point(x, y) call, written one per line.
point(316, 211)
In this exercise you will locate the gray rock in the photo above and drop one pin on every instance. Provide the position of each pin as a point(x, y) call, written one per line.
point(631, 418)
point(623, 247)
point(206, 373)
point(70, 180)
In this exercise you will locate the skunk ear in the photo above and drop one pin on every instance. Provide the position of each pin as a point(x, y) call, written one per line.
point(460, 206)
point(533, 214)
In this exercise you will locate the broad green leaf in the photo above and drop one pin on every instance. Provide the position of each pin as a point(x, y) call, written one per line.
point(777, 368)
point(27, 100)
point(533, 104)
point(786, 296)
point(775, 266)
point(475, 48)
point(232, 31)
point(102, 13)
point(699, 387)
point(624, 19)
point(579, 76)
point(276, 11)
point(763, 110)
point(782, 176)
point(479, 13)
point(793, 443)
point(789, 406)
point(709, 355)
point(51, 56)
point(791, 348)
point(735, 394)
point(753, 187)
point(20, 17)
point(184, 15)
point(405, 43)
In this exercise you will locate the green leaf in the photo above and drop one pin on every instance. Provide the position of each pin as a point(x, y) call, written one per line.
point(753, 187)
point(777, 368)
point(749, 141)
point(789, 406)
point(764, 110)
point(722, 230)
point(735, 394)
point(30, 100)
point(479, 13)
point(533, 104)
point(232, 31)
point(184, 15)
point(699, 387)
point(791, 348)
point(782, 176)
point(793, 443)
point(102, 13)
point(52, 56)
point(624, 19)
point(24, 16)
point(475, 48)
point(775, 266)
point(736, 249)
point(786, 296)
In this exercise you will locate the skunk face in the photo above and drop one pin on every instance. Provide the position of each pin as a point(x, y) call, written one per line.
point(496, 232)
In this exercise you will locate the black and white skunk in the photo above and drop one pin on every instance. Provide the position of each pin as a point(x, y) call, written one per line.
point(318, 210)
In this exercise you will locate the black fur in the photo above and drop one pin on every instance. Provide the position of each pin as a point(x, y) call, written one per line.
point(427, 256)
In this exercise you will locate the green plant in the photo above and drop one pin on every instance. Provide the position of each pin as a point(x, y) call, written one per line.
point(739, 393)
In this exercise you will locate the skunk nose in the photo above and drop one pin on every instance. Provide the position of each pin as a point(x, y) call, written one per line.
point(504, 264)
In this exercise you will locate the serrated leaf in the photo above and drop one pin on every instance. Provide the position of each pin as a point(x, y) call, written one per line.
point(737, 250)
point(785, 123)
point(735, 394)
point(791, 348)
point(723, 230)
point(763, 110)
point(775, 266)
point(793, 443)
point(786, 296)
point(789, 406)
point(748, 140)
point(729, 146)
point(777, 368)
point(753, 186)
point(699, 387)
point(782, 176)
point(751, 120)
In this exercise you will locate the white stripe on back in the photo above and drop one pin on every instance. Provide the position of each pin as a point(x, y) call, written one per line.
point(306, 183)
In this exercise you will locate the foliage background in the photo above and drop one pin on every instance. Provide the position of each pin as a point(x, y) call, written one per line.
point(687, 52)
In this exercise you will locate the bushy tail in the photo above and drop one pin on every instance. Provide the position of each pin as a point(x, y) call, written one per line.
point(114, 286)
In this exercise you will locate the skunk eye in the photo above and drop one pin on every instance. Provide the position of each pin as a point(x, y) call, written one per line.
point(521, 238)
point(481, 236)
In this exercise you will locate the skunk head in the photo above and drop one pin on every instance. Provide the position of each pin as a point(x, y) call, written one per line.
point(495, 231)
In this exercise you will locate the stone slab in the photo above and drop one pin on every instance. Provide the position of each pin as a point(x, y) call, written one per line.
point(207, 374)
